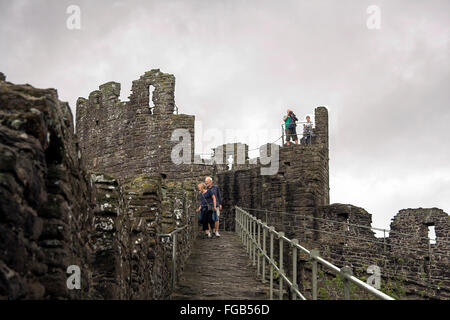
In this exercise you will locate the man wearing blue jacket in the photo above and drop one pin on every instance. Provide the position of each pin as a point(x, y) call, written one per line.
point(216, 191)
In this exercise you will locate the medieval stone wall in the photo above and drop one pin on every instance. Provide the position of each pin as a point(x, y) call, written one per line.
point(46, 201)
point(131, 258)
point(342, 234)
point(54, 214)
point(126, 139)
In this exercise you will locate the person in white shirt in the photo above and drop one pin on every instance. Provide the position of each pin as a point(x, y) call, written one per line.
point(307, 130)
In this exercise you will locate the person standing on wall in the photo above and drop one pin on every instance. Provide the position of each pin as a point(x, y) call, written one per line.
point(291, 127)
point(307, 130)
point(216, 215)
point(206, 209)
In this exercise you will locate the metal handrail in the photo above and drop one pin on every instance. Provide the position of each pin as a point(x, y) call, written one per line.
point(343, 223)
point(254, 149)
point(249, 228)
point(383, 242)
point(310, 134)
point(429, 252)
point(299, 122)
point(166, 235)
point(173, 235)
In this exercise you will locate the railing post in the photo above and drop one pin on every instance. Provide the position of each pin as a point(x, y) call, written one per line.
point(241, 225)
point(282, 135)
point(246, 231)
point(241, 218)
point(235, 221)
point(294, 242)
point(249, 236)
point(281, 235)
point(174, 259)
point(313, 255)
point(251, 241)
point(271, 230)
point(345, 272)
point(237, 227)
point(264, 253)
point(254, 240)
point(258, 252)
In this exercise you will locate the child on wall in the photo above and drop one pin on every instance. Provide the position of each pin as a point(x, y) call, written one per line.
point(307, 130)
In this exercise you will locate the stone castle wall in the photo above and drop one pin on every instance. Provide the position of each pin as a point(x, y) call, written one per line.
point(46, 199)
point(300, 185)
point(103, 198)
point(411, 267)
point(126, 139)
point(131, 259)
point(54, 214)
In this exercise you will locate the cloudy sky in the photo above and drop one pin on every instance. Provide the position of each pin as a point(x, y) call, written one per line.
point(239, 64)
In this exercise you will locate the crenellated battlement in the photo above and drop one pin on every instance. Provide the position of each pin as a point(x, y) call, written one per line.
point(110, 91)
point(133, 137)
point(162, 86)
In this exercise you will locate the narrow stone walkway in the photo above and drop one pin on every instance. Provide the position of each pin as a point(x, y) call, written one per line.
point(220, 268)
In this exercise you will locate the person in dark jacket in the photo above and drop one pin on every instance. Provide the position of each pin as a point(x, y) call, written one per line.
point(216, 215)
point(290, 120)
point(207, 207)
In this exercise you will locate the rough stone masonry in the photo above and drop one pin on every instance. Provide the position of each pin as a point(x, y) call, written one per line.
point(101, 199)
point(54, 214)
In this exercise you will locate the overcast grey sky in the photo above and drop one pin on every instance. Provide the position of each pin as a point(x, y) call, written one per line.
point(239, 64)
